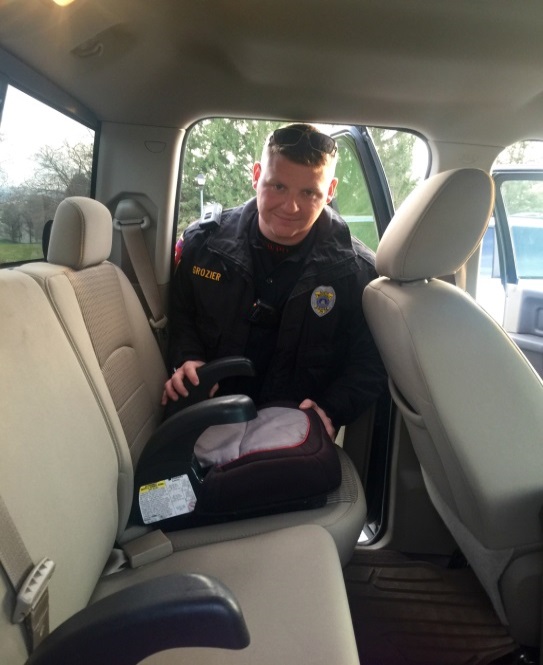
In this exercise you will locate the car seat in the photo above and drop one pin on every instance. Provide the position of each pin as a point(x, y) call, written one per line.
point(472, 403)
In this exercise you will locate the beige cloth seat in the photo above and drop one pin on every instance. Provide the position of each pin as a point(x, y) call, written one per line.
point(106, 324)
point(65, 475)
point(472, 403)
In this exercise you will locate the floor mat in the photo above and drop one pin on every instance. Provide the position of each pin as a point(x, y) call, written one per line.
point(408, 612)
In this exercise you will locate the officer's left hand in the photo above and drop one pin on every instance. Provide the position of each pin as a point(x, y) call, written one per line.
point(310, 404)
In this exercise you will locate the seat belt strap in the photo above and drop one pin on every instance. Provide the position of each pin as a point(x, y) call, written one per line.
point(131, 219)
point(29, 582)
point(139, 256)
point(14, 557)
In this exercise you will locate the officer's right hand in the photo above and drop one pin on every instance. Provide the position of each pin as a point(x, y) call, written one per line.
point(175, 385)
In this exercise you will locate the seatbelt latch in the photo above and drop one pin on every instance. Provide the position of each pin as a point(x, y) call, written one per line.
point(32, 589)
point(32, 602)
point(160, 324)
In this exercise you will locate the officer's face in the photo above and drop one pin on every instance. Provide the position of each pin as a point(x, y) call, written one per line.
point(290, 197)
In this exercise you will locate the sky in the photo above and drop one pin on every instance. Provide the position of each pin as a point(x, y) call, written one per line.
point(27, 125)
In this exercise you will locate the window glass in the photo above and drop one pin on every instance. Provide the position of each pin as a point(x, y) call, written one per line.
point(523, 201)
point(522, 196)
point(489, 265)
point(44, 157)
point(220, 153)
point(218, 164)
point(352, 195)
point(405, 158)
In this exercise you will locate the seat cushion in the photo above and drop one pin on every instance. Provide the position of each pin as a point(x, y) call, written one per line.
point(290, 587)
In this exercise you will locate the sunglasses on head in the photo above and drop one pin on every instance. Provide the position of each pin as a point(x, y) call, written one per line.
point(290, 136)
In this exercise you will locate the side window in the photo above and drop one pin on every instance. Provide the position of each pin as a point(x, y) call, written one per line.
point(523, 203)
point(405, 158)
point(45, 156)
point(218, 164)
point(512, 247)
point(220, 153)
point(489, 264)
point(490, 293)
point(352, 195)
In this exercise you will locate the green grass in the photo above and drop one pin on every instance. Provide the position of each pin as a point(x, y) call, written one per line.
point(12, 252)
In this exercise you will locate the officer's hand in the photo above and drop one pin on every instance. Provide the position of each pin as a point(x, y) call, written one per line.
point(310, 404)
point(175, 385)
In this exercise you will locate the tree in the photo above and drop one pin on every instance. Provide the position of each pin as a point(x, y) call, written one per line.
point(395, 150)
point(352, 196)
point(224, 151)
point(513, 154)
point(12, 222)
point(521, 196)
point(63, 171)
point(59, 172)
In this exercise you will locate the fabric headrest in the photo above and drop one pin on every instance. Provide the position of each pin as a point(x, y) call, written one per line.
point(438, 226)
point(81, 235)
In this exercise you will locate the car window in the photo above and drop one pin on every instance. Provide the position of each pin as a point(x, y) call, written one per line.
point(45, 156)
point(405, 157)
point(218, 163)
point(523, 202)
point(220, 152)
point(489, 265)
point(353, 199)
point(512, 247)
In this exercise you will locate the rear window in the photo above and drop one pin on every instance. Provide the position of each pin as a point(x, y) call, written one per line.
point(45, 156)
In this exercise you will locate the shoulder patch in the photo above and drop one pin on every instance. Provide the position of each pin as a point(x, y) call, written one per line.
point(178, 251)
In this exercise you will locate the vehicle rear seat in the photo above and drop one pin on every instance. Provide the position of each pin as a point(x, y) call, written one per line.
point(65, 478)
point(109, 331)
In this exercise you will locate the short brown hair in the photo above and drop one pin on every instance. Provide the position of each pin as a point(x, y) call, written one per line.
point(302, 152)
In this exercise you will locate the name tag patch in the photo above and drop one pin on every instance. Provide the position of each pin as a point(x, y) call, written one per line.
point(206, 273)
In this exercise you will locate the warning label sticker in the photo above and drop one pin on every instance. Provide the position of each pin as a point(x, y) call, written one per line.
point(166, 498)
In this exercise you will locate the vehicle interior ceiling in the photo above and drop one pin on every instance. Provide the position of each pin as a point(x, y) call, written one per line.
point(465, 75)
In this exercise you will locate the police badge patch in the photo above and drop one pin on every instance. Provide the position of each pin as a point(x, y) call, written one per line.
point(323, 300)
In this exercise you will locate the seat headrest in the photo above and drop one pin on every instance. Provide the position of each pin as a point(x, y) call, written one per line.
point(438, 226)
point(81, 235)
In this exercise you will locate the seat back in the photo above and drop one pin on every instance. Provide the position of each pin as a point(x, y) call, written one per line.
point(472, 403)
point(107, 328)
point(127, 351)
point(61, 465)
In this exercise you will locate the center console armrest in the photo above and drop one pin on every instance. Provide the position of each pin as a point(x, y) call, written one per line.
point(169, 612)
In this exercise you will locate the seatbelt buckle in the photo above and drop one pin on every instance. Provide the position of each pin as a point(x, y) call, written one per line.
point(32, 603)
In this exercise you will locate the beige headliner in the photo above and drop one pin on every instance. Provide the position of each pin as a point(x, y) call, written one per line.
point(458, 71)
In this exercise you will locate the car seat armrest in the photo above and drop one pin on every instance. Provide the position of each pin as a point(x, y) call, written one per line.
point(208, 375)
point(183, 428)
point(165, 613)
point(216, 370)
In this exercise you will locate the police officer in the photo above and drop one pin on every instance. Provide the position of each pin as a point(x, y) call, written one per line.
point(280, 280)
